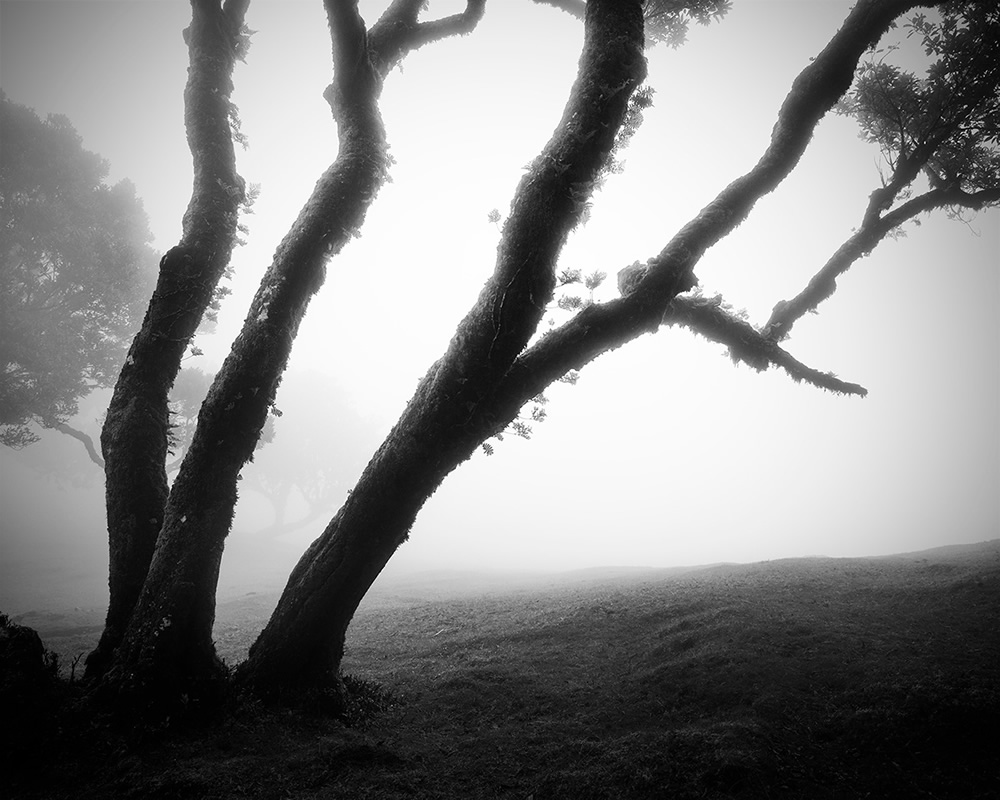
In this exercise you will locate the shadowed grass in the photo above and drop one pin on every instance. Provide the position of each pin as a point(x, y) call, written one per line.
point(813, 678)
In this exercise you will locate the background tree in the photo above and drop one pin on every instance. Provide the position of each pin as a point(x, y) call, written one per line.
point(295, 472)
point(494, 364)
point(185, 399)
point(76, 270)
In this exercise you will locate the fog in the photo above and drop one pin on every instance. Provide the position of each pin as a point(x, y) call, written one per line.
point(665, 453)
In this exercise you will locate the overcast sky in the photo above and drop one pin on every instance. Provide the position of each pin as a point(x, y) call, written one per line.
point(664, 453)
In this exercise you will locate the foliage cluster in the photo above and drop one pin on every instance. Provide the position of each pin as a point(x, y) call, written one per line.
point(946, 122)
point(76, 271)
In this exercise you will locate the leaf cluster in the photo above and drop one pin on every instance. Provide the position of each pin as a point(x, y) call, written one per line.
point(948, 121)
point(669, 21)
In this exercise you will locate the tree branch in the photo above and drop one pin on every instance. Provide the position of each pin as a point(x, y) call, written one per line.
point(548, 202)
point(354, 78)
point(575, 8)
point(80, 436)
point(603, 327)
point(824, 283)
point(707, 317)
point(398, 31)
point(907, 168)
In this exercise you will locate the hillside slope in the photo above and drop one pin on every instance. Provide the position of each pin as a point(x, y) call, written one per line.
point(815, 678)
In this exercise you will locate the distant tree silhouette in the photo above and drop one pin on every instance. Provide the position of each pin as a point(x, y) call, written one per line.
point(76, 270)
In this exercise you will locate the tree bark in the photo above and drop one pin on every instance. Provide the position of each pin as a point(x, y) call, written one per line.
point(486, 375)
point(134, 437)
point(302, 645)
point(167, 652)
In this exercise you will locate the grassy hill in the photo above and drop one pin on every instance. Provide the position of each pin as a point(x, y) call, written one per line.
point(804, 678)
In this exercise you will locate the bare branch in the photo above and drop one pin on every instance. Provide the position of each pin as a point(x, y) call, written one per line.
point(707, 317)
point(824, 283)
point(82, 437)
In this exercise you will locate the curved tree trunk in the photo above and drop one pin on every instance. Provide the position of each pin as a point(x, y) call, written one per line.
point(134, 437)
point(167, 652)
point(487, 375)
point(302, 645)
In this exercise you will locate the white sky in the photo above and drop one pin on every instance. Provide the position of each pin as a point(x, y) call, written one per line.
point(664, 453)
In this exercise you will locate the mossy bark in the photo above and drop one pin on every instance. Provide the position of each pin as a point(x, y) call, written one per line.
point(488, 372)
point(166, 655)
point(134, 438)
point(444, 422)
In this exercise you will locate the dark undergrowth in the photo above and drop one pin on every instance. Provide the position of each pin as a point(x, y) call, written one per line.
point(807, 678)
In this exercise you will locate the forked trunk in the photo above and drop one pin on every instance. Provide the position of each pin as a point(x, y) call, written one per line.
point(135, 435)
point(453, 410)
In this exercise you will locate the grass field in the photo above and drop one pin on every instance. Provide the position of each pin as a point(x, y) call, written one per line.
point(806, 678)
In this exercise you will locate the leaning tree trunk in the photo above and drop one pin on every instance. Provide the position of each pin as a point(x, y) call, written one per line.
point(443, 424)
point(135, 434)
point(167, 652)
point(487, 375)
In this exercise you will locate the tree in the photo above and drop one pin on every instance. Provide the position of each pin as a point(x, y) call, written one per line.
point(295, 472)
point(157, 644)
point(75, 271)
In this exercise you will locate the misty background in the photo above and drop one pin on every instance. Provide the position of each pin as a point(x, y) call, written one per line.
point(664, 453)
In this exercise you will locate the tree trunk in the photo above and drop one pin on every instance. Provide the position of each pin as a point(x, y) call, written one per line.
point(170, 633)
point(486, 375)
point(302, 645)
point(167, 651)
point(134, 437)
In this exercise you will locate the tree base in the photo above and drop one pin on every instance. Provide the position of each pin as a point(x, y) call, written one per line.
point(148, 699)
point(327, 695)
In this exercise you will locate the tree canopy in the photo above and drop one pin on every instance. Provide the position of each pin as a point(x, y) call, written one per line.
point(76, 270)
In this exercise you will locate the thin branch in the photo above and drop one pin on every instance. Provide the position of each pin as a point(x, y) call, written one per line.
point(707, 317)
point(80, 436)
point(824, 283)
point(907, 168)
